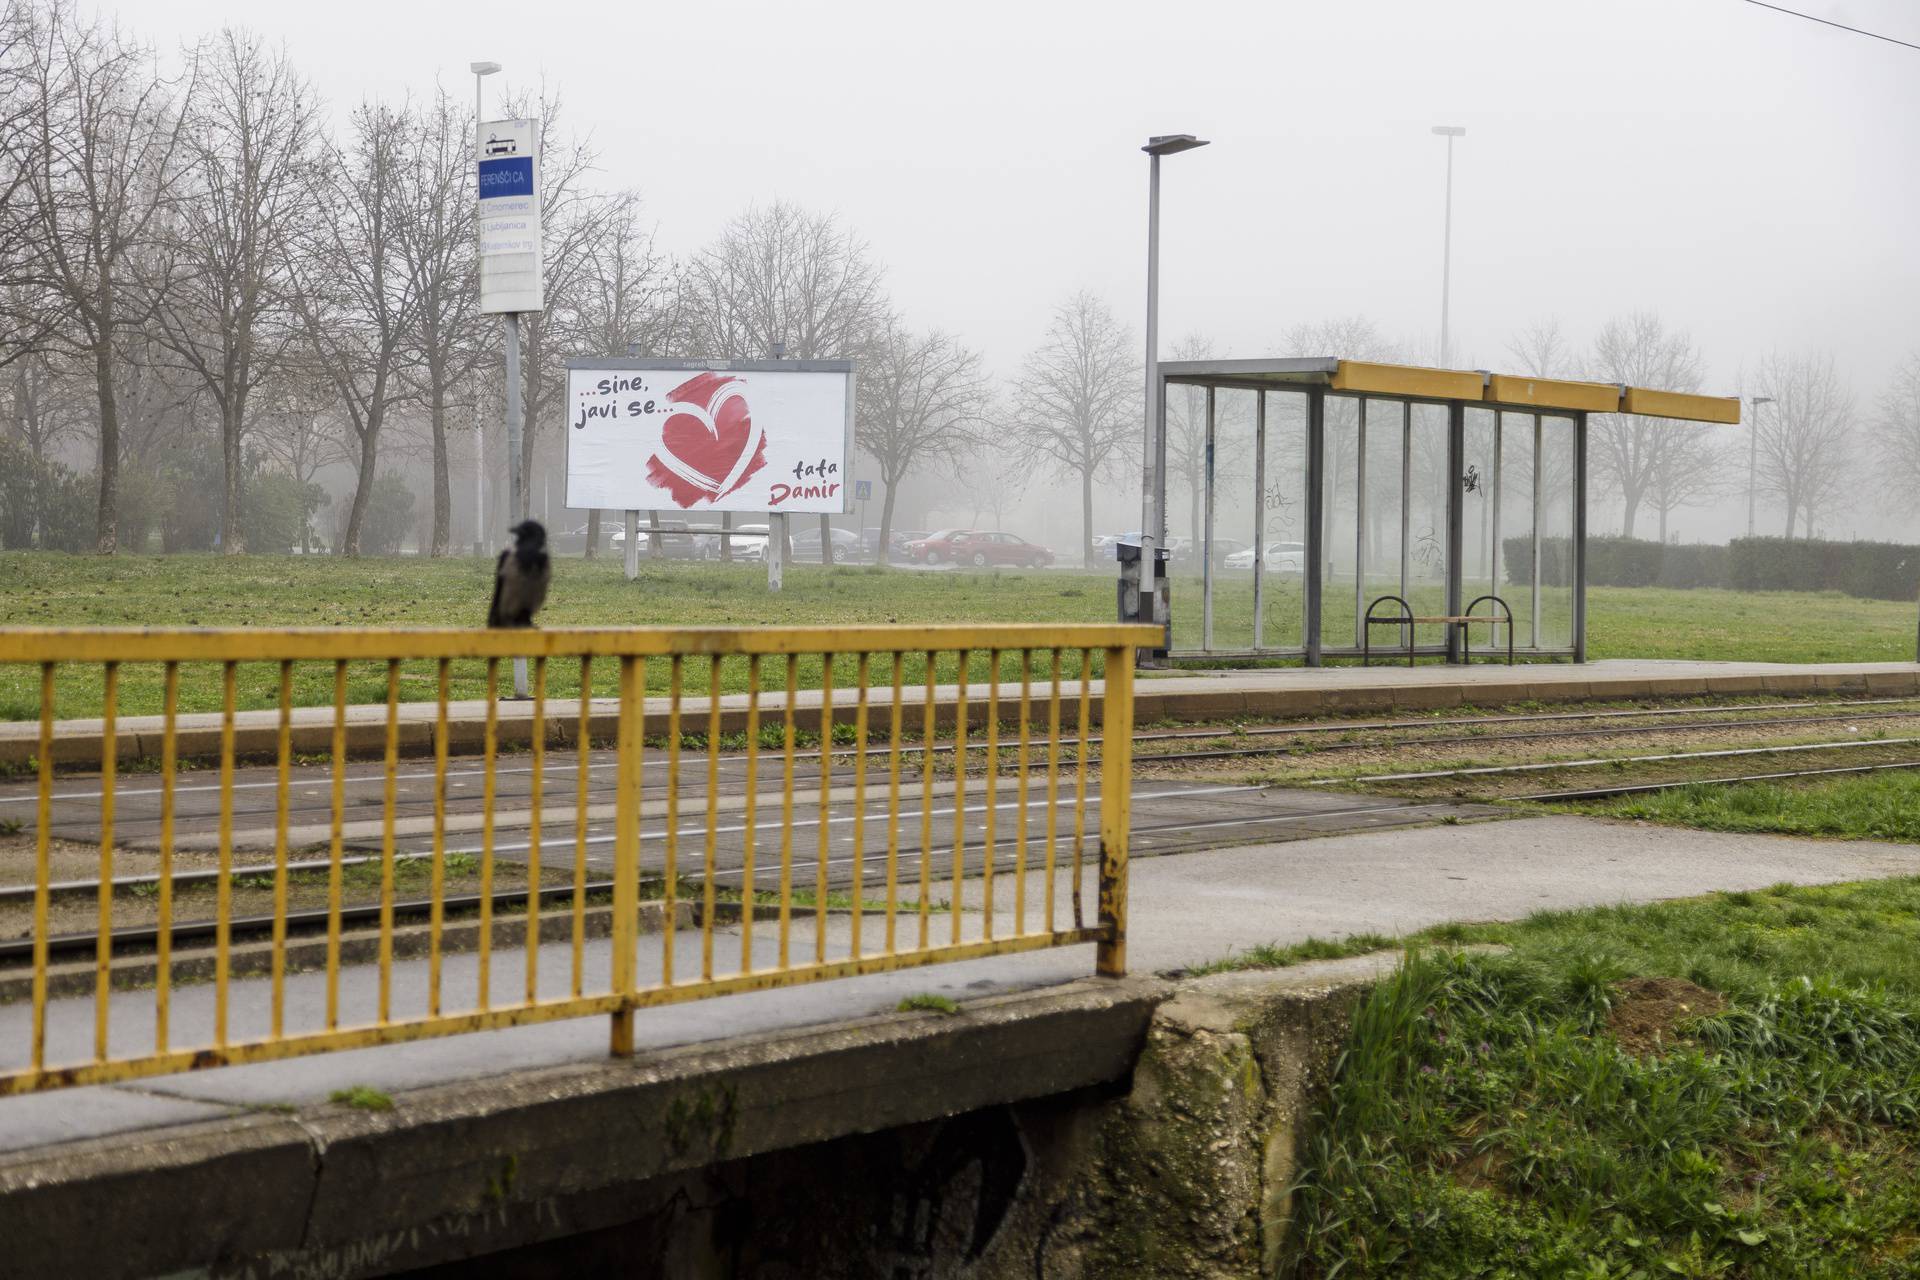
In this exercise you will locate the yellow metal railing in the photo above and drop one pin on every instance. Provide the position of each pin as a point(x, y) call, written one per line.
point(1025, 689)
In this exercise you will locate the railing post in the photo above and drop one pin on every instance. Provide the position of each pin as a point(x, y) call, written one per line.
point(1116, 806)
point(626, 852)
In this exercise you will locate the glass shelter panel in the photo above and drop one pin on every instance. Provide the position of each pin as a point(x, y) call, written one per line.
point(1186, 508)
point(1477, 576)
point(1382, 539)
point(1514, 487)
point(1283, 508)
point(1557, 562)
point(1340, 488)
point(1427, 475)
point(1231, 521)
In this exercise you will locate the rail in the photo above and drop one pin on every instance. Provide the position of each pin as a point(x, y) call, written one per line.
point(1026, 691)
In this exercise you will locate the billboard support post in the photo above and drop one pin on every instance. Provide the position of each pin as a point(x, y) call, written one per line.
point(776, 548)
point(630, 552)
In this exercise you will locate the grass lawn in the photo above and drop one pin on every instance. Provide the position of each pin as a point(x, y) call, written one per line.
point(1725, 1086)
point(44, 589)
point(1874, 806)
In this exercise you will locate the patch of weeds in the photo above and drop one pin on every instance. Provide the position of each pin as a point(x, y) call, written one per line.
point(11, 826)
point(927, 1002)
point(363, 1097)
point(1279, 956)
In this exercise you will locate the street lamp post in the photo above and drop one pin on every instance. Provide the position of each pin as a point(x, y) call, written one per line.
point(1753, 455)
point(481, 70)
point(1153, 519)
point(1449, 132)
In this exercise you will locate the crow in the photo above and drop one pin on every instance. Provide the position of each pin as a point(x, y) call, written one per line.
point(520, 577)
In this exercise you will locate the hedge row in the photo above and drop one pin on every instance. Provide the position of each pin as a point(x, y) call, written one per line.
point(1875, 570)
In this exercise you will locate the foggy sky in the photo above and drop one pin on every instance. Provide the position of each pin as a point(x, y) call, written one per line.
point(1748, 175)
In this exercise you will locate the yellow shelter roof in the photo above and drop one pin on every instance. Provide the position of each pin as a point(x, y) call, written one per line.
point(1472, 386)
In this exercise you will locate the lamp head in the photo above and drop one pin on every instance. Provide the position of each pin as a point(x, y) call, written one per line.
point(1167, 144)
point(483, 68)
point(1450, 130)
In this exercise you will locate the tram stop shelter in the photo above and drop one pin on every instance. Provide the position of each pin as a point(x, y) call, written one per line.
point(1321, 485)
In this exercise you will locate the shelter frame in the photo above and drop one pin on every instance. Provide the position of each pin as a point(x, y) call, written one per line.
point(1514, 448)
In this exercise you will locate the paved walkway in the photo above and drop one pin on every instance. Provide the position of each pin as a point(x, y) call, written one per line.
point(1186, 910)
point(1267, 693)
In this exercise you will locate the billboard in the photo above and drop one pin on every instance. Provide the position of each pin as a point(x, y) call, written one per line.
point(507, 179)
point(710, 435)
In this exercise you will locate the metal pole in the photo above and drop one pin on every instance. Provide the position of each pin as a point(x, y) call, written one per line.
point(1360, 523)
point(1316, 516)
point(1456, 519)
point(1153, 513)
point(479, 434)
point(1259, 519)
point(479, 473)
point(1534, 630)
point(516, 483)
point(1580, 538)
point(1206, 534)
point(630, 551)
point(1446, 257)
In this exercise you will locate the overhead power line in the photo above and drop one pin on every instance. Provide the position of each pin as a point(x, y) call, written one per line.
point(1828, 22)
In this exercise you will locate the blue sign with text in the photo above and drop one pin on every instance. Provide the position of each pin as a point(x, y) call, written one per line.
point(506, 176)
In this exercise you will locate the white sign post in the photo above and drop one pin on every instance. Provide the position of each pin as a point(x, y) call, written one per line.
point(773, 436)
point(512, 278)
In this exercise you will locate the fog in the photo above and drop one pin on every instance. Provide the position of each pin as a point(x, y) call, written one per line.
point(1746, 175)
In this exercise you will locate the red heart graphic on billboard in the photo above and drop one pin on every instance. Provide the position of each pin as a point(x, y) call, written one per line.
point(709, 444)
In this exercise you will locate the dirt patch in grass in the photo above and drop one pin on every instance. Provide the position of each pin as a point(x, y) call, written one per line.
point(1647, 1011)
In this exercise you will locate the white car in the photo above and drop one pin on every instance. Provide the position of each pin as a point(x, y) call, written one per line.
point(1282, 557)
point(750, 542)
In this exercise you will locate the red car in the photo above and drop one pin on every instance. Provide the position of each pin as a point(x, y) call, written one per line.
point(980, 547)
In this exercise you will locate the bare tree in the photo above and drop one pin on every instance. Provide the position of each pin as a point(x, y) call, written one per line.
point(433, 232)
point(1542, 350)
point(1637, 457)
point(1805, 438)
point(628, 300)
point(43, 407)
point(99, 155)
point(1187, 433)
point(291, 428)
point(1896, 437)
point(1692, 470)
point(994, 480)
point(780, 273)
point(355, 297)
point(921, 397)
point(1078, 398)
point(223, 308)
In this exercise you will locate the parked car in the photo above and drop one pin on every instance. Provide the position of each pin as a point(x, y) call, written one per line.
point(750, 541)
point(979, 547)
point(1281, 557)
point(870, 546)
point(677, 540)
point(806, 545)
point(1224, 549)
